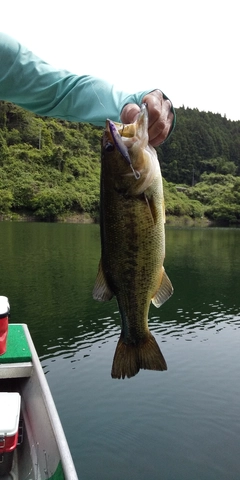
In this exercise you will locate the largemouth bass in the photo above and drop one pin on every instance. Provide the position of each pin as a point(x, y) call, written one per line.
point(132, 218)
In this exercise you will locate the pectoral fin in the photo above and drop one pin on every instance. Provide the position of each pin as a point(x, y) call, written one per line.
point(165, 290)
point(101, 291)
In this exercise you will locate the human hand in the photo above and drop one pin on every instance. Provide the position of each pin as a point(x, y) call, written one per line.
point(160, 116)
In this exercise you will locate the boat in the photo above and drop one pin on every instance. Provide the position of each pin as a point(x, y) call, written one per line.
point(33, 445)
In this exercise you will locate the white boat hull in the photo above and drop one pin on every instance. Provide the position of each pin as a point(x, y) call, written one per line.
point(44, 453)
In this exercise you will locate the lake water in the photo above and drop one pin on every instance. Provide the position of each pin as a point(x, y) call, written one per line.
point(182, 424)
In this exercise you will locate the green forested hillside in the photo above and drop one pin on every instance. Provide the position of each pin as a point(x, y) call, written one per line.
point(202, 142)
point(47, 167)
point(204, 155)
point(50, 168)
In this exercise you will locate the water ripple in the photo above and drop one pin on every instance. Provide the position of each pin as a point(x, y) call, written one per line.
point(83, 342)
point(187, 325)
point(193, 324)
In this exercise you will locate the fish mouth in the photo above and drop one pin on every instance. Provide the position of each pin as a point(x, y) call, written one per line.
point(124, 136)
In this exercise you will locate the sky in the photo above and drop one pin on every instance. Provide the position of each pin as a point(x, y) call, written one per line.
point(189, 49)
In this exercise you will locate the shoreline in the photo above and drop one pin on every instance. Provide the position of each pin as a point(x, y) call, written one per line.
point(72, 218)
point(85, 218)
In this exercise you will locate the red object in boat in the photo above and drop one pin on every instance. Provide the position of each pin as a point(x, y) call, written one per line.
point(4, 313)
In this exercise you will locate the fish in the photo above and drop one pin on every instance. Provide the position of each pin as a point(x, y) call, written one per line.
point(132, 218)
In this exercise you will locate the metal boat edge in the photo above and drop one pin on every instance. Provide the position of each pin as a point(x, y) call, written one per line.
point(44, 453)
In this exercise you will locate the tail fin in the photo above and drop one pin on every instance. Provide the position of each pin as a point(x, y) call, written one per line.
point(130, 358)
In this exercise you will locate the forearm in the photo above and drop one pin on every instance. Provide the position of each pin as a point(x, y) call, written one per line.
point(29, 82)
point(33, 84)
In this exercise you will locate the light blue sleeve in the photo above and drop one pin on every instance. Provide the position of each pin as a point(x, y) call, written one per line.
point(29, 82)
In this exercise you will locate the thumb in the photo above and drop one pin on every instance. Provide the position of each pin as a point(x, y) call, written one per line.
point(129, 113)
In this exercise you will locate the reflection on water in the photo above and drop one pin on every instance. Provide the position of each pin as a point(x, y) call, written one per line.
point(174, 425)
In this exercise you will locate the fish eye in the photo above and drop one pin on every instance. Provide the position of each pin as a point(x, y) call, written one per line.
point(109, 147)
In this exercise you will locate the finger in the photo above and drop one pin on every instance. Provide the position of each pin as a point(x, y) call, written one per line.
point(161, 127)
point(156, 139)
point(160, 117)
point(154, 102)
point(129, 113)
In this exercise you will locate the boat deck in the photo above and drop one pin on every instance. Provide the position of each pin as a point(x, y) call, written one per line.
point(43, 452)
point(17, 361)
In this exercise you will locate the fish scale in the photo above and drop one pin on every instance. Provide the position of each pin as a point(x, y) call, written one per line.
point(132, 243)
